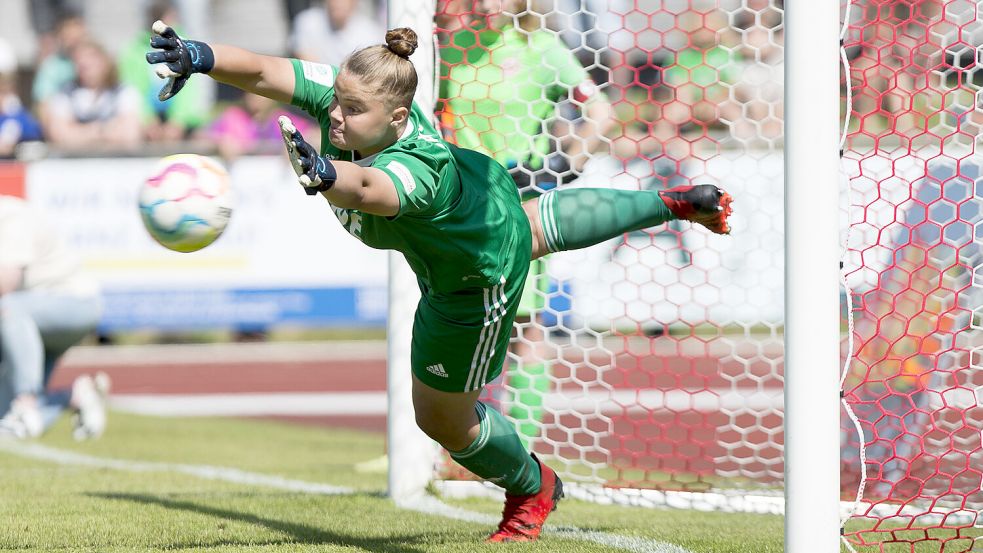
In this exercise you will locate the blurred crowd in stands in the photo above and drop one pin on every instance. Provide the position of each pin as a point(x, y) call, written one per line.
point(81, 94)
point(701, 69)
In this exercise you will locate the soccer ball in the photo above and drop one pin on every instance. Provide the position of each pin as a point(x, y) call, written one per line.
point(187, 202)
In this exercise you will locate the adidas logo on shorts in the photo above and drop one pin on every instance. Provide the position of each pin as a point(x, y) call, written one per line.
point(438, 370)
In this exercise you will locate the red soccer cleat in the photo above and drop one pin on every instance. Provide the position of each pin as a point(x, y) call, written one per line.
point(524, 515)
point(704, 204)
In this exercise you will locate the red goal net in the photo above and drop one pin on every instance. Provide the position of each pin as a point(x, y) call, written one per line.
point(649, 369)
point(913, 265)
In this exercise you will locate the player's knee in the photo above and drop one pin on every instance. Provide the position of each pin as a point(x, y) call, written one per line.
point(430, 426)
point(446, 433)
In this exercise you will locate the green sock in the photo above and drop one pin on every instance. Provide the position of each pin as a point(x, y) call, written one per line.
point(531, 382)
point(497, 455)
point(581, 217)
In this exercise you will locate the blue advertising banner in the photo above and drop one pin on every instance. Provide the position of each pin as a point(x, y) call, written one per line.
point(185, 309)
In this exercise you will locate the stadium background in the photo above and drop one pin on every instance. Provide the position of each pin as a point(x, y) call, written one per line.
point(675, 311)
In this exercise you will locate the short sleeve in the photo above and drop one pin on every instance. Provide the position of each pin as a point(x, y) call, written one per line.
point(415, 181)
point(313, 87)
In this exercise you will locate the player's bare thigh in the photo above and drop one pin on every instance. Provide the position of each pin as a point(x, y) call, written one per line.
point(449, 418)
point(531, 207)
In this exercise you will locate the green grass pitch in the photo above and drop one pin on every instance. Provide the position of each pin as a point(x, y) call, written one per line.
point(146, 503)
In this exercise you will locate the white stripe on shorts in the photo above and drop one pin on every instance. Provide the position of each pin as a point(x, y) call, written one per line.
point(495, 308)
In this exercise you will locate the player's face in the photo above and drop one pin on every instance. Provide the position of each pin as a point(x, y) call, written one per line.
point(360, 119)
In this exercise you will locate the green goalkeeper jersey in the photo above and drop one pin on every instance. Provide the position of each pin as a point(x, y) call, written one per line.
point(459, 213)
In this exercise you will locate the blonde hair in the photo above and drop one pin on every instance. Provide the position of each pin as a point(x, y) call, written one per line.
point(388, 68)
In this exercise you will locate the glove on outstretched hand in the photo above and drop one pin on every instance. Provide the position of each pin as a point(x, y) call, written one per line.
point(315, 173)
point(178, 58)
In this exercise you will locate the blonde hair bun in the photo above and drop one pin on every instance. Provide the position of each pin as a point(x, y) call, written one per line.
point(402, 41)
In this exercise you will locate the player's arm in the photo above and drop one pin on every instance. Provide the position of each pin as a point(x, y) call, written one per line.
point(366, 189)
point(268, 76)
point(342, 183)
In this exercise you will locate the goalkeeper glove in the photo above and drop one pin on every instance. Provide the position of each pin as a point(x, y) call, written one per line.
point(179, 58)
point(315, 173)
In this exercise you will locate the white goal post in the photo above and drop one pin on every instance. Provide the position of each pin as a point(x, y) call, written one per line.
point(812, 320)
point(411, 453)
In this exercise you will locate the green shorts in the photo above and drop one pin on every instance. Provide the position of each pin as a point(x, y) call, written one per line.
point(460, 340)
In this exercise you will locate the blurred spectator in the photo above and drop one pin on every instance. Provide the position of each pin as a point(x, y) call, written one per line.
point(176, 118)
point(253, 128)
point(702, 71)
point(46, 307)
point(56, 70)
point(16, 123)
point(293, 7)
point(330, 32)
point(503, 80)
point(97, 111)
point(195, 17)
point(46, 17)
point(895, 48)
point(755, 109)
point(451, 16)
point(591, 29)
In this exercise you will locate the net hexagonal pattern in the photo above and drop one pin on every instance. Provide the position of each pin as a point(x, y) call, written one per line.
point(914, 267)
point(652, 361)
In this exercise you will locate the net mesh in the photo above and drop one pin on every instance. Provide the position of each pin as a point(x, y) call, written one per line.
point(652, 362)
point(912, 199)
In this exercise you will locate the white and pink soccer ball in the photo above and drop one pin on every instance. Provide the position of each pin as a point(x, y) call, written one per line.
point(187, 202)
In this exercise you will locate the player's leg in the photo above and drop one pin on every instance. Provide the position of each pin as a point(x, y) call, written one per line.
point(459, 345)
point(65, 320)
point(579, 217)
point(478, 437)
point(22, 352)
point(38, 328)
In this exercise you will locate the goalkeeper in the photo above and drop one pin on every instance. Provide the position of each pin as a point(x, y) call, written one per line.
point(456, 217)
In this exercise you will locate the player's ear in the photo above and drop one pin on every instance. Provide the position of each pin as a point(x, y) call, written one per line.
point(399, 116)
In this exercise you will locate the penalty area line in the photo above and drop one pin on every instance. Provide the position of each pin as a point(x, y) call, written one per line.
point(427, 505)
point(207, 472)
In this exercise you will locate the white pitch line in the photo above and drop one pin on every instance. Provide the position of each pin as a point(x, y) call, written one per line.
point(433, 506)
point(428, 505)
point(252, 405)
point(609, 402)
point(208, 472)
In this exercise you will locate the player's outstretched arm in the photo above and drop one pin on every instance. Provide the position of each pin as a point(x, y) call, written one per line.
point(179, 58)
point(342, 183)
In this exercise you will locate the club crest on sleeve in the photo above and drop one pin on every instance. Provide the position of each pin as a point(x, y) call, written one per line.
point(318, 72)
point(403, 174)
